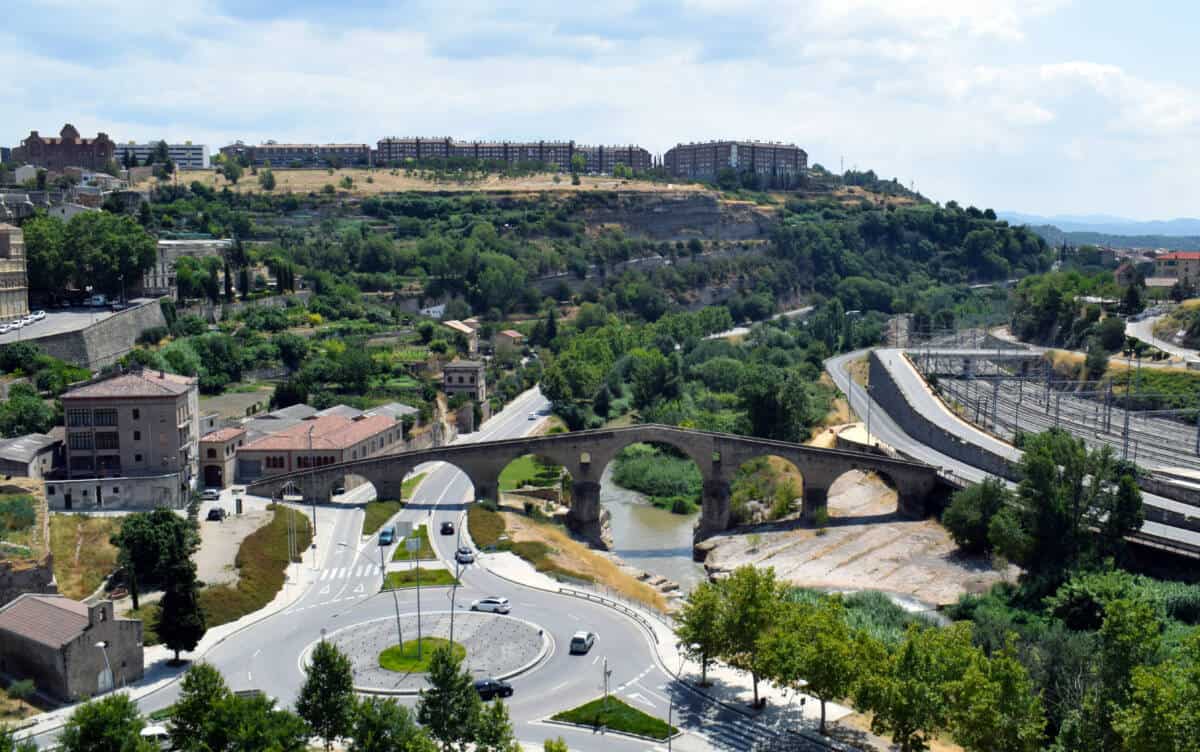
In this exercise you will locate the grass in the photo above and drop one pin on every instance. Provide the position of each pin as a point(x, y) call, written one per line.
point(424, 552)
point(380, 511)
point(614, 714)
point(407, 578)
point(529, 470)
point(148, 613)
point(670, 482)
point(538, 553)
point(486, 526)
point(261, 562)
point(18, 515)
point(403, 658)
point(83, 556)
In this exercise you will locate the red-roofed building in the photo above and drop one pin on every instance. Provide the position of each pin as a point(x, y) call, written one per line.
point(218, 456)
point(68, 150)
point(319, 441)
point(1178, 265)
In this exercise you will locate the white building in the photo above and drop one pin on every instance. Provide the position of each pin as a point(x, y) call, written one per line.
point(187, 156)
point(160, 277)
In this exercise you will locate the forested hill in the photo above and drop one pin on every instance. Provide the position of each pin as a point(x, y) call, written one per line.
point(1055, 236)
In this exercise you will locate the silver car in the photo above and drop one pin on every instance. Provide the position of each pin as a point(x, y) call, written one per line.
point(495, 604)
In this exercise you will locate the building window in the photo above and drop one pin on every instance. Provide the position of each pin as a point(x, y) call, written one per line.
point(52, 490)
point(80, 441)
point(137, 435)
point(106, 417)
point(137, 458)
point(116, 489)
point(137, 414)
point(212, 454)
point(108, 440)
point(79, 418)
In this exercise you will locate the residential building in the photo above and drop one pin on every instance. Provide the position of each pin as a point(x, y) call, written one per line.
point(704, 161)
point(509, 339)
point(1178, 265)
point(318, 441)
point(1125, 274)
point(70, 650)
point(186, 156)
point(465, 377)
point(218, 456)
point(67, 211)
point(468, 333)
point(5, 154)
point(14, 284)
point(301, 155)
point(34, 455)
point(67, 150)
point(131, 442)
point(160, 279)
point(559, 154)
point(24, 174)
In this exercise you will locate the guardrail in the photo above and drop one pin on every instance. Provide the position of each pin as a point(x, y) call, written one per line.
point(617, 605)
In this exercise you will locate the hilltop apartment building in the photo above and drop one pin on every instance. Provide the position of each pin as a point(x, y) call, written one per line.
point(187, 156)
point(598, 159)
point(301, 155)
point(704, 161)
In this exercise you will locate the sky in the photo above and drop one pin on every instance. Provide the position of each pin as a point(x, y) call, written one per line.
point(1039, 106)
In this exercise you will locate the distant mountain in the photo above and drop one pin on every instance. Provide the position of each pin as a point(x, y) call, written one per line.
point(1104, 224)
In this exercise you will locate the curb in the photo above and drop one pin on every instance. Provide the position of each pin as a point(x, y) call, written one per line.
point(606, 731)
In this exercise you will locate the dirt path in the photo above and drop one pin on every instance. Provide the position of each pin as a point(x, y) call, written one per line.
point(219, 543)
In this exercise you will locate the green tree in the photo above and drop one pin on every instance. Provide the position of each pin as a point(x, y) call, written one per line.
point(266, 179)
point(450, 707)
point(776, 403)
point(1111, 334)
point(195, 716)
point(50, 266)
point(254, 723)
point(110, 724)
point(150, 544)
point(1096, 362)
point(493, 730)
point(326, 701)
point(750, 601)
point(181, 623)
point(24, 412)
point(383, 725)
point(971, 511)
point(908, 694)
point(1129, 638)
point(9, 743)
point(812, 648)
point(1163, 708)
point(232, 171)
point(555, 745)
point(105, 247)
point(698, 625)
point(578, 163)
point(994, 708)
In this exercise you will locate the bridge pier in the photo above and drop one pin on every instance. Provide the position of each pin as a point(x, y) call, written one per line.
point(584, 517)
point(487, 492)
point(714, 509)
point(815, 501)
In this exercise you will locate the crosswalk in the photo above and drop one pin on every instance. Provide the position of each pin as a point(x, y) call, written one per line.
point(349, 573)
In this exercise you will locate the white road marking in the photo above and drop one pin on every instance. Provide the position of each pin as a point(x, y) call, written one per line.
point(638, 696)
point(595, 659)
point(324, 574)
point(557, 687)
point(359, 589)
point(325, 590)
point(256, 652)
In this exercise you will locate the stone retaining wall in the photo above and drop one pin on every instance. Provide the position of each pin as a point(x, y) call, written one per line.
point(106, 341)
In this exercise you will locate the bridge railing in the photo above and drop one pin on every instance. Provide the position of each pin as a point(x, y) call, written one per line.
point(616, 602)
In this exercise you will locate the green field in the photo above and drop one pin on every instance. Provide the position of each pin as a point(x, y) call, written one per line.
point(486, 526)
point(403, 658)
point(424, 552)
point(529, 471)
point(408, 578)
point(614, 714)
point(380, 511)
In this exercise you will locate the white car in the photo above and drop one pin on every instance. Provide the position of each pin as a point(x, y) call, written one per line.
point(211, 494)
point(5, 328)
point(38, 315)
point(533, 416)
point(494, 604)
point(464, 555)
point(582, 642)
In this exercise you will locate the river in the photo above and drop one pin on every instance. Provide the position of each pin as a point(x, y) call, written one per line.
point(650, 538)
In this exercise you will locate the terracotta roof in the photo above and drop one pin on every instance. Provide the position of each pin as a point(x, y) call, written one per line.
point(328, 432)
point(1181, 256)
point(463, 364)
point(459, 326)
point(48, 619)
point(513, 333)
point(136, 384)
point(223, 434)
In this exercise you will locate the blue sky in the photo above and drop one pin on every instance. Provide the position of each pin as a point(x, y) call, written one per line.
point(1040, 106)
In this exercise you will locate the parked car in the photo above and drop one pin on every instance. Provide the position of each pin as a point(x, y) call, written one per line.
point(464, 555)
point(581, 642)
point(97, 301)
point(493, 603)
point(216, 514)
point(5, 328)
point(39, 315)
point(387, 536)
point(211, 494)
point(447, 528)
point(339, 490)
point(533, 416)
point(489, 688)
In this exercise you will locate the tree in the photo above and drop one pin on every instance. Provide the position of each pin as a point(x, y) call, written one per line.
point(555, 745)
point(1096, 362)
point(266, 179)
point(994, 707)
point(749, 604)
point(1163, 709)
point(110, 724)
point(971, 511)
point(578, 163)
point(195, 715)
point(150, 544)
point(449, 709)
point(383, 725)
point(776, 403)
point(9, 743)
point(181, 622)
point(24, 412)
point(698, 625)
point(493, 730)
point(1131, 301)
point(232, 171)
point(326, 700)
point(1129, 638)
point(254, 723)
point(908, 695)
point(812, 648)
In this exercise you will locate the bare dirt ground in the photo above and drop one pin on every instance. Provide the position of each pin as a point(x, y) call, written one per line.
point(219, 543)
point(383, 181)
point(235, 404)
point(866, 546)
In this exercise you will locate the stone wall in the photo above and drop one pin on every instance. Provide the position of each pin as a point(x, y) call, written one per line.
point(106, 341)
point(26, 576)
point(214, 313)
point(134, 493)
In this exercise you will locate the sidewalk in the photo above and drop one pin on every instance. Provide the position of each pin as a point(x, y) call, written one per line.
point(785, 709)
point(158, 674)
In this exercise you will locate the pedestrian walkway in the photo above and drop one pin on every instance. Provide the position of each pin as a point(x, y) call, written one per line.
point(348, 573)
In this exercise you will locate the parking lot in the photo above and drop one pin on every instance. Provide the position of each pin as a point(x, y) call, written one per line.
point(61, 321)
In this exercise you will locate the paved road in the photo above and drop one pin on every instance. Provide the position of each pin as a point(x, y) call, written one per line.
point(266, 655)
point(742, 331)
point(1144, 330)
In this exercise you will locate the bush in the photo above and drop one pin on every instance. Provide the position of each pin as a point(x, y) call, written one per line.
point(153, 335)
point(971, 512)
point(661, 476)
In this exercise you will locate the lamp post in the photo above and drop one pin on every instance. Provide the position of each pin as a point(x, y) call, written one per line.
point(671, 698)
point(458, 571)
point(103, 645)
point(311, 482)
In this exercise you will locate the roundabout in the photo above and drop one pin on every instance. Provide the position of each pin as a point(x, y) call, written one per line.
point(495, 646)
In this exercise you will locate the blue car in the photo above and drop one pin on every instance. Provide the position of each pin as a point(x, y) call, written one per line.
point(387, 536)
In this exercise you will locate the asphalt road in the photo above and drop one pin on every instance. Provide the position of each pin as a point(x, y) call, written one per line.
point(266, 655)
point(1144, 330)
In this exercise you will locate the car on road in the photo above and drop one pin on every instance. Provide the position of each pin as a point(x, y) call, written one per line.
point(216, 514)
point(387, 536)
point(5, 328)
point(533, 416)
point(339, 490)
point(447, 528)
point(211, 494)
point(464, 555)
point(38, 315)
point(493, 603)
point(489, 688)
point(581, 642)
point(97, 301)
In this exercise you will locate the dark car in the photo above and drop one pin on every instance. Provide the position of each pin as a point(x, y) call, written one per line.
point(489, 688)
point(216, 514)
point(447, 528)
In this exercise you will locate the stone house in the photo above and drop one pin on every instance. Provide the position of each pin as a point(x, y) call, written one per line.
point(70, 650)
point(33, 455)
point(218, 456)
point(465, 377)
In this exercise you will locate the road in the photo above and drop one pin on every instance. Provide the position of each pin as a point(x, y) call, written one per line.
point(265, 655)
point(1144, 330)
point(742, 331)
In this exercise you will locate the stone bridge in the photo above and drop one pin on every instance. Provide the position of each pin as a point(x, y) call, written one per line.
point(585, 454)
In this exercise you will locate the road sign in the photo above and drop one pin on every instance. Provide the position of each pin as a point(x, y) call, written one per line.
point(404, 529)
point(413, 545)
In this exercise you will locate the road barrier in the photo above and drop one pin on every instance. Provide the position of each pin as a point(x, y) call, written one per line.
point(617, 605)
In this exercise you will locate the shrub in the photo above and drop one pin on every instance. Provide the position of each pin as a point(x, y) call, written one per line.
point(153, 335)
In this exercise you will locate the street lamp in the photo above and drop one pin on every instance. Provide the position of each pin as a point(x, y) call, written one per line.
point(311, 482)
point(103, 645)
point(671, 698)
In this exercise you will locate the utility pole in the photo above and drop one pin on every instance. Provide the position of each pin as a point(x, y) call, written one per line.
point(412, 544)
point(311, 482)
point(395, 601)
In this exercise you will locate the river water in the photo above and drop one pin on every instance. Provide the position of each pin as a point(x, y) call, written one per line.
point(650, 538)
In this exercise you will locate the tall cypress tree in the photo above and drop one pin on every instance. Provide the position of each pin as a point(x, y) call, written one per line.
point(327, 698)
point(181, 622)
